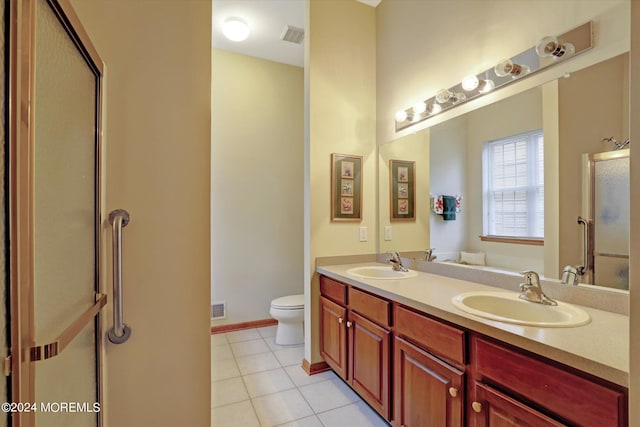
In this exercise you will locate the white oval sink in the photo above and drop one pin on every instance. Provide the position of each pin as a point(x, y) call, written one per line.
point(380, 272)
point(508, 307)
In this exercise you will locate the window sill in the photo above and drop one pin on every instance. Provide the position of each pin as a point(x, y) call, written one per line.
point(514, 240)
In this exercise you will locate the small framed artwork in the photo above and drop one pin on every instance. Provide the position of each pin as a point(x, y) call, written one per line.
point(346, 187)
point(402, 190)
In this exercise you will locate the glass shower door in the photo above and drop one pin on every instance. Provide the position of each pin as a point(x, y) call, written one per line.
point(610, 213)
point(65, 246)
point(56, 211)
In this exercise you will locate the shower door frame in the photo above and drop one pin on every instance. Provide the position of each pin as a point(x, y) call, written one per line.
point(21, 198)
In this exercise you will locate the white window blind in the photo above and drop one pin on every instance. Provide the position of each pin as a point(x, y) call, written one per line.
point(513, 182)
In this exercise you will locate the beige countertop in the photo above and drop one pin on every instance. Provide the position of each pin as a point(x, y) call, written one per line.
point(600, 347)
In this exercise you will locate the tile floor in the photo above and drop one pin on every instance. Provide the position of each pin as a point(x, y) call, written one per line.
point(256, 382)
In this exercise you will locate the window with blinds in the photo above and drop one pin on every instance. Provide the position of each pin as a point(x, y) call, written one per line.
point(513, 183)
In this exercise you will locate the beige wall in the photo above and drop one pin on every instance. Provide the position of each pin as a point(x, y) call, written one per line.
point(406, 235)
point(341, 71)
point(157, 135)
point(256, 183)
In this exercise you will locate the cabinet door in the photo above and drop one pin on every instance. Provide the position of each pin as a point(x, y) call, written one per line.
point(370, 362)
point(494, 409)
point(333, 336)
point(428, 392)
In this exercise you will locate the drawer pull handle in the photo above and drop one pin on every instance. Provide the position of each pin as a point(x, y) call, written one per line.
point(453, 391)
point(340, 320)
point(477, 407)
point(349, 324)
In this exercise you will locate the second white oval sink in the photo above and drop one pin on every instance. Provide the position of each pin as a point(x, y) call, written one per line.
point(508, 307)
point(380, 272)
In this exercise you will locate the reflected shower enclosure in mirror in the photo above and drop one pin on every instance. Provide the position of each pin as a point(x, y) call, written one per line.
point(575, 114)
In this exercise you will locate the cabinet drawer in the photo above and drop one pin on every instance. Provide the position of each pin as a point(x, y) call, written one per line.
point(374, 308)
point(577, 400)
point(333, 290)
point(440, 339)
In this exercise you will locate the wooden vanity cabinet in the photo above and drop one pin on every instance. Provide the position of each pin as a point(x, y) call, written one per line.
point(355, 340)
point(427, 390)
point(333, 335)
point(433, 374)
point(514, 388)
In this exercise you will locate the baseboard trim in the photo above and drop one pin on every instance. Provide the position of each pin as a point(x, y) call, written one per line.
point(314, 368)
point(243, 325)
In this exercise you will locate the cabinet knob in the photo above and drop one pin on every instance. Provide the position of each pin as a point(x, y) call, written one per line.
point(453, 391)
point(349, 324)
point(340, 320)
point(477, 407)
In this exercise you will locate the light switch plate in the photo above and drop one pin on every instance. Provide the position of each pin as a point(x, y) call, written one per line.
point(387, 232)
point(363, 234)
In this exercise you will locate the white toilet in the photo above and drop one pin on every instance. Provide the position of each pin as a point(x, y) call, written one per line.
point(289, 312)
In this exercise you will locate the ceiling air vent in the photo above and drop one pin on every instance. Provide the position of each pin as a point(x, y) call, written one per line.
point(292, 34)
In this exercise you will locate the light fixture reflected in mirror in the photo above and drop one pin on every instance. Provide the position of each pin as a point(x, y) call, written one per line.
point(550, 46)
point(507, 67)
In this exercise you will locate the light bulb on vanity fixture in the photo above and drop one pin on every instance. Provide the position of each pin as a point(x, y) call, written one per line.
point(419, 108)
point(443, 96)
point(550, 46)
point(472, 82)
point(507, 67)
point(434, 108)
point(401, 116)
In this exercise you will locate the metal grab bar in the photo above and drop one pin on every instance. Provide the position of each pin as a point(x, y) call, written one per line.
point(120, 332)
point(584, 269)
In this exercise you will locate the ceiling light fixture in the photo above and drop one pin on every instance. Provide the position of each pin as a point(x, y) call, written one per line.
point(235, 29)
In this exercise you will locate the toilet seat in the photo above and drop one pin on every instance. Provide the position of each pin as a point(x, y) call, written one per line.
point(289, 302)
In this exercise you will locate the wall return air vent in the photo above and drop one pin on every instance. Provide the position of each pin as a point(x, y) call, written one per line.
point(292, 34)
point(218, 310)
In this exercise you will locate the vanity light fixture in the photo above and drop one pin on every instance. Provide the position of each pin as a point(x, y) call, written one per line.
point(550, 46)
point(235, 29)
point(508, 70)
point(507, 67)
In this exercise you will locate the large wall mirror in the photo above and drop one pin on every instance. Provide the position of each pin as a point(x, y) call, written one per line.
point(579, 175)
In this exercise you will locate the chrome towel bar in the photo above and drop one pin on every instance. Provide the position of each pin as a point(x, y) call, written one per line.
point(120, 332)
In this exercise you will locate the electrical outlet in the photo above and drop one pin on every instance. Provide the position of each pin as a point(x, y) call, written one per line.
point(363, 234)
point(387, 232)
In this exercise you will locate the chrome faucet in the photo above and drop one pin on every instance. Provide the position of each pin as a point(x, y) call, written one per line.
point(396, 262)
point(531, 290)
point(428, 255)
